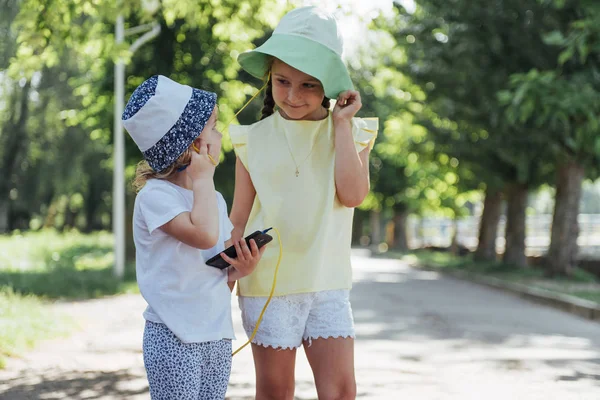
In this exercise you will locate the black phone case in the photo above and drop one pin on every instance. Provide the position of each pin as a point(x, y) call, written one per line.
point(260, 238)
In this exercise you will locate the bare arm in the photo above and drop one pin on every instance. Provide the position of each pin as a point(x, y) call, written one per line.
point(231, 284)
point(243, 198)
point(351, 168)
point(200, 227)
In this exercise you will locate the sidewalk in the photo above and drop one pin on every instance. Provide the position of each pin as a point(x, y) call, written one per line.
point(421, 335)
point(571, 304)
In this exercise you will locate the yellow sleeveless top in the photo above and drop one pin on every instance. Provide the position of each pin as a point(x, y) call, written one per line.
point(315, 227)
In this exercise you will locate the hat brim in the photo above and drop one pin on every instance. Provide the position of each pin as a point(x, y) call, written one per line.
point(188, 127)
point(305, 55)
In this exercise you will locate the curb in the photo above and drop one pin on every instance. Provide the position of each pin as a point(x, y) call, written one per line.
point(574, 305)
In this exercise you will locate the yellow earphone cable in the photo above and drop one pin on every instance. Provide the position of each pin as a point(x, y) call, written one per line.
point(212, 160)
point(249, 101)
point(262, 313)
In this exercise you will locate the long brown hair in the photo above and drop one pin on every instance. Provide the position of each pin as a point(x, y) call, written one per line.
point(269, 103)
point(144, 172)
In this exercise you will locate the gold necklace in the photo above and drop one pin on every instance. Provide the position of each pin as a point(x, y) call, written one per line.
point(292, 154)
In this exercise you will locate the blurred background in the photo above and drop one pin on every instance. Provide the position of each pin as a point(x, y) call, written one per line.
point(487, 158)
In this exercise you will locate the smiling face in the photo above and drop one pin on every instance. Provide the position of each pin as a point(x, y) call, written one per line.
point(299, 96)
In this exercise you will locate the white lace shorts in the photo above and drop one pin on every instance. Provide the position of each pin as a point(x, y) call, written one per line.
point(291, 319)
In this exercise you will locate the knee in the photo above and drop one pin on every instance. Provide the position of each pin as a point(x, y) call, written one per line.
point(275, 390)
point(346, 391)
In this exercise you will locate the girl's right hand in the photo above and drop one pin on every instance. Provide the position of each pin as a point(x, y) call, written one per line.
point(247, 258)
point(347, 105)
point(201, 166)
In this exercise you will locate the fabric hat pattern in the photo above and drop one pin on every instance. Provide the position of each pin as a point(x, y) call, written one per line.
point(309, 40)
point(164, 118)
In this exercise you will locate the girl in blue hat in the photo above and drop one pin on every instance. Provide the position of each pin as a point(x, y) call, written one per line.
point(302, 168)
point(179, 221)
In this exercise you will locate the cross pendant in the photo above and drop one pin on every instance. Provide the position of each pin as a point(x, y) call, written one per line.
point(297, 172)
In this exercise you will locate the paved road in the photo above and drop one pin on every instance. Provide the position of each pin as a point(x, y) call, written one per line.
point(420, 336)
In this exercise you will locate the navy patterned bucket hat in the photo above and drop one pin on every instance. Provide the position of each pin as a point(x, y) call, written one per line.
point(164, 118)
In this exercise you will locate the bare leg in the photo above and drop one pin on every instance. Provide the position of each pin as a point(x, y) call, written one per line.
point(332, 363)
point(275, 378)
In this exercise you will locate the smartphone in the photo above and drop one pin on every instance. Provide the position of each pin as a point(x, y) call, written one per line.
point(260, 237)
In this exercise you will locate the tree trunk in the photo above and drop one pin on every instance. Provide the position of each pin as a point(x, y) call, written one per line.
point(375, 228)
point(70, 218)
point(4, 209)
point(400, 238)
point(488, 226)
point(357, 226)
point(454, 237)
point(565, 229)
point(575, 235)
point(514, 252)
point(91, 204)
point(13, 142)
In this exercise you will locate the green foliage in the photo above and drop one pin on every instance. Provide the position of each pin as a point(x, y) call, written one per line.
point(56, 112)
point(468, 96)
point(564, 101)
point(409, 173)
point(461, 54)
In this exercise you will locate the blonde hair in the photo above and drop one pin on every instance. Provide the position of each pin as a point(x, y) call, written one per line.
point(144, 171)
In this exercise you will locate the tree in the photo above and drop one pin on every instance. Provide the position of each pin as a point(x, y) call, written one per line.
point(409, 174)
point(66, 51)
point(462, 54)
point(564, 102)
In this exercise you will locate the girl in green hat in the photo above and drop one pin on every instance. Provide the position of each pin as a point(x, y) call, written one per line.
point(302, 168)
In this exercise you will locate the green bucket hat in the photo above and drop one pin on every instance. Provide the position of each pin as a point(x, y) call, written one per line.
point(307, 39)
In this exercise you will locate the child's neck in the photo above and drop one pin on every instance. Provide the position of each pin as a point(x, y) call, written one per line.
point(317, 115)
point(181, 179)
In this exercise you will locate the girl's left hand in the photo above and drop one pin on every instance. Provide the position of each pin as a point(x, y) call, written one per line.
point(247, 258)
point(347, 105)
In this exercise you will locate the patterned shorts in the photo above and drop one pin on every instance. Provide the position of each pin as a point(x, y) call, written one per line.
point(185, 371)
point(289, 320)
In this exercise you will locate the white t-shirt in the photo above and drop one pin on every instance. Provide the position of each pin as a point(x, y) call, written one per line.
point(191, 298)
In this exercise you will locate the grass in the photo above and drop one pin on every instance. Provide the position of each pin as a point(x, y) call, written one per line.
point(39, 267)
point(61, 266)
point(581, 284)
point(592, 295)
point(25, 320)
